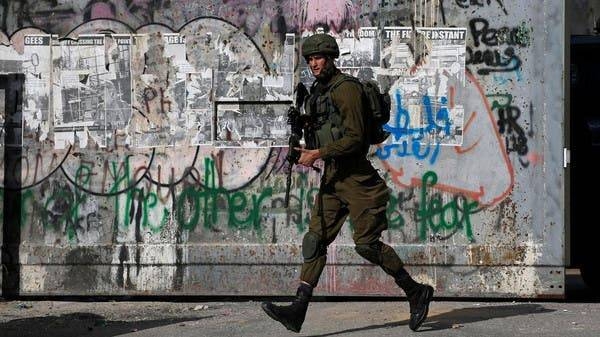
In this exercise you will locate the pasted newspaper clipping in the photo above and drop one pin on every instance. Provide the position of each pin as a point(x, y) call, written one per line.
point(251, 109)
point(37, 66)
point(118, 84)
point(426, 71)
point(199, 106)
point(80, 94)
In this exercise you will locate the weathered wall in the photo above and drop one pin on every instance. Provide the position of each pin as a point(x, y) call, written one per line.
point(206, 220)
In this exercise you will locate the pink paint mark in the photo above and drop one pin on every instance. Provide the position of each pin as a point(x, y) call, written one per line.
point(337, 14)
point(535, 158)
point(462, 149)
point(101, 10)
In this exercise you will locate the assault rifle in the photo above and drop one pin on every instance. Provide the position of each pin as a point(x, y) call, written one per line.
point(298, 122)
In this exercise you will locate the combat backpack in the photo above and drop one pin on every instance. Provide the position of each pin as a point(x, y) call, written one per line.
point(378, 107)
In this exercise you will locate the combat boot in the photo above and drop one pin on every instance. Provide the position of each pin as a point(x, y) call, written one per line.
point(418, 301)
point(292, 315)
point(418, 295)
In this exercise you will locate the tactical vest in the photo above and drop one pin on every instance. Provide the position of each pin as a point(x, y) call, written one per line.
point(326, 120)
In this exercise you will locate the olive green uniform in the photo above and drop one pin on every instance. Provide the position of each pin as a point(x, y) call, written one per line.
point(349, 186)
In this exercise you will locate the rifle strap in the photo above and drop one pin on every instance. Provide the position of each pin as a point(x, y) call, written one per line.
point(321, 214)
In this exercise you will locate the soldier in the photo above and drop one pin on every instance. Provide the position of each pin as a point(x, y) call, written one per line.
point(350, 185)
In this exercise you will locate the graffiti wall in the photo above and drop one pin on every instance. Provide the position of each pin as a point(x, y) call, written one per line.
point(152, 140)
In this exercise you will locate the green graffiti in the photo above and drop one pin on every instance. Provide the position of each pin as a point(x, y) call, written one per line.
point(524, 34)
point(151, 201)
point(121, 175)
point(118, 180)
point(189, 195)
point(138, 203)
point(145, 203)
point(62, 205)
point(26, 196)
point(83, 175)
point(196, 205)
point(395, 219)
point(435, 215)
point(300, 214)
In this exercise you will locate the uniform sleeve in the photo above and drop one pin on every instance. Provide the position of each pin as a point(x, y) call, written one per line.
point(347, 97)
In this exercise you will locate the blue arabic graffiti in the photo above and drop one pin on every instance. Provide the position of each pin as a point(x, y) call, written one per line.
point(423, 140)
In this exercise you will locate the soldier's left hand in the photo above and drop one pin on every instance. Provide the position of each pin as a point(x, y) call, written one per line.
point(308, 157)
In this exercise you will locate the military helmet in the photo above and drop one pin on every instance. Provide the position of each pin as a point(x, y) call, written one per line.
point(320, 44)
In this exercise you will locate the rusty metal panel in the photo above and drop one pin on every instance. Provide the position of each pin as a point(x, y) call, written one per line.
point(483, 218)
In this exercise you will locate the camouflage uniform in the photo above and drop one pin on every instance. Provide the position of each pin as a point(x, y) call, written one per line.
point(350, 185)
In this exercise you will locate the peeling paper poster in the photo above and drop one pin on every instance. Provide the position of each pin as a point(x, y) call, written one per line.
point(426, 69)
point(159, 82)
point(80, 95)
point(252, 124)
point(37, 66)
point(199, 108)
point(118, 84)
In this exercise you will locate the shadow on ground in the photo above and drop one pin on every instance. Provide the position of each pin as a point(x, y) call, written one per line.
point(81, 324)
point(458, 317)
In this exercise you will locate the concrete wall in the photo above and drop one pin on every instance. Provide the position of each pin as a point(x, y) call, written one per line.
point(484, 218)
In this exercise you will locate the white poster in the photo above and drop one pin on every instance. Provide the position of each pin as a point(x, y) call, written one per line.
point(252, 125)
point(426, 72)
point(199, 107)
point(82, 82)
point(118, 84)
point(37, 66)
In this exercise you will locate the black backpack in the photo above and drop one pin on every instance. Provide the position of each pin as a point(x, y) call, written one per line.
point(378, 104)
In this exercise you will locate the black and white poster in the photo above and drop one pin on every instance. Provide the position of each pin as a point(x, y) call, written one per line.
point(81, 80)
point(280, 84)
point(252, 125)
point(425, 70)
point(199, 107)
point(37, 66)
point(359, 48)
point(118, 85)
point(252, 108)
point(359, 52)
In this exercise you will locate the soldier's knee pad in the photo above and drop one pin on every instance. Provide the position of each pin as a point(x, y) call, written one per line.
point(312, 246)
point(371, 252)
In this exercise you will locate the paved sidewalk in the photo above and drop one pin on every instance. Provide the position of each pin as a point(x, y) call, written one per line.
point(579, 315)
point(358, 318)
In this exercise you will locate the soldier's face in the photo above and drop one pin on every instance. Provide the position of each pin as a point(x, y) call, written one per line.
point(316, 63)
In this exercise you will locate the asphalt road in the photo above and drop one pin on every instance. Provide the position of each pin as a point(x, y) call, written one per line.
point(578, 315)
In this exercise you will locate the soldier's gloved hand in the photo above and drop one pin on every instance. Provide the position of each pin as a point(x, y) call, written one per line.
point(308, 157)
